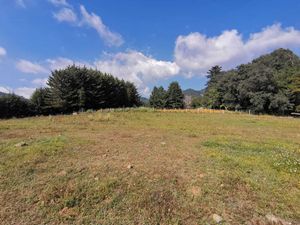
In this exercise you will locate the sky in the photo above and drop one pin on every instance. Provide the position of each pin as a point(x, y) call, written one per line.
point(146, 42)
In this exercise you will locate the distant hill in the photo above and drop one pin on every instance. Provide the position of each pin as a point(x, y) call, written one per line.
point(2, 94)
point(193, 93)
point(144, 100)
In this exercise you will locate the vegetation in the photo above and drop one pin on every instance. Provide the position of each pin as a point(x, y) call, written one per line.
point(13, 105)
point(171, 99)
point(270, 84)
point(149, 167)
point(70, 90)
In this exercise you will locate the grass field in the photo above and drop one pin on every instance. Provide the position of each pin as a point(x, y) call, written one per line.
point(143, 167)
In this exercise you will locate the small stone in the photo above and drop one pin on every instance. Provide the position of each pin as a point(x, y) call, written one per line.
point(21, 144)
point(75, 113)
point(129, 166)
point(275, 220)
point(217, 218)
point(62, 173)
point(96, 178)
point(163, 143)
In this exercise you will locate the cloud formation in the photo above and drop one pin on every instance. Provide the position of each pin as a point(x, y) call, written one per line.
point(4, 90)
point(94, 21)
point(196, 53)
point(66, 15)
point(40, 82)
point(137, 67)
point(59, 3)
point(26, 92)
point(26, 66)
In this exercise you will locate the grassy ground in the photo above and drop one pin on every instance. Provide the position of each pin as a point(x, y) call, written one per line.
point(185, 167)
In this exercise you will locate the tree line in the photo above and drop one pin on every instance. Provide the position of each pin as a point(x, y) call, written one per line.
point(269, 84)
point(70, 90)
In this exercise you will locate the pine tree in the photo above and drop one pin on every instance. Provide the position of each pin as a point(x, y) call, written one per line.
point(158, 98)
point(175, 96)
point(133, 95)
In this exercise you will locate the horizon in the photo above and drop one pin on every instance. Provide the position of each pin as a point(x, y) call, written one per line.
point(144, 42)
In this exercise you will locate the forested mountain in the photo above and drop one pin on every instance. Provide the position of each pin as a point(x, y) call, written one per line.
point(269, 84)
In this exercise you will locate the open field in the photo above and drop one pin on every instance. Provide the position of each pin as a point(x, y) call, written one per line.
point(142, 167)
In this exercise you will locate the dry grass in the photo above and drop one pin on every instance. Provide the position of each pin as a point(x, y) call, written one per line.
point(185, 167)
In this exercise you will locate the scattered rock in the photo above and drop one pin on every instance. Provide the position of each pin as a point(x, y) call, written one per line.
point(195, 191)
point(217, 218)
point(201, 175)
point(62, 173)
point(21, 144)
point(163, 143)
point(276, 220)
point(96, 178)
point(75, 113)
point(129, 166)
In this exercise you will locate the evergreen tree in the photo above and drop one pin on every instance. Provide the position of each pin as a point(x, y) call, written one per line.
point(12, 105)
point(158, 98)
point(40, 101)
point(174, 96)
point(134, 98)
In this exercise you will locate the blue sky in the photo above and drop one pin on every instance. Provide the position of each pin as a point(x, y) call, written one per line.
point(146, 42)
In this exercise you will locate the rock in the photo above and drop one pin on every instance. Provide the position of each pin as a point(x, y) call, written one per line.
point(276, 220)
point(163, 143)
point(217, 218)
point(21, 144)
point(96, 178)
point(129, 166)
point(62, 173)
point(75, 113)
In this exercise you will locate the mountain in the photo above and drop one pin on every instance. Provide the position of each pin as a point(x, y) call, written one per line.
point(193, 93)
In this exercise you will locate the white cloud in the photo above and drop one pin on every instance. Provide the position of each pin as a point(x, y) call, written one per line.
point(21, 3)
point(2, 51)
point(26, 92)
point(40, 82)
point(65, 14)
point(196, 53)
point(94, 21)
point(138, 68)
point(4, 90)
point(61, 63)
point(132, 66)
point(26, 66)
point(59, 2)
